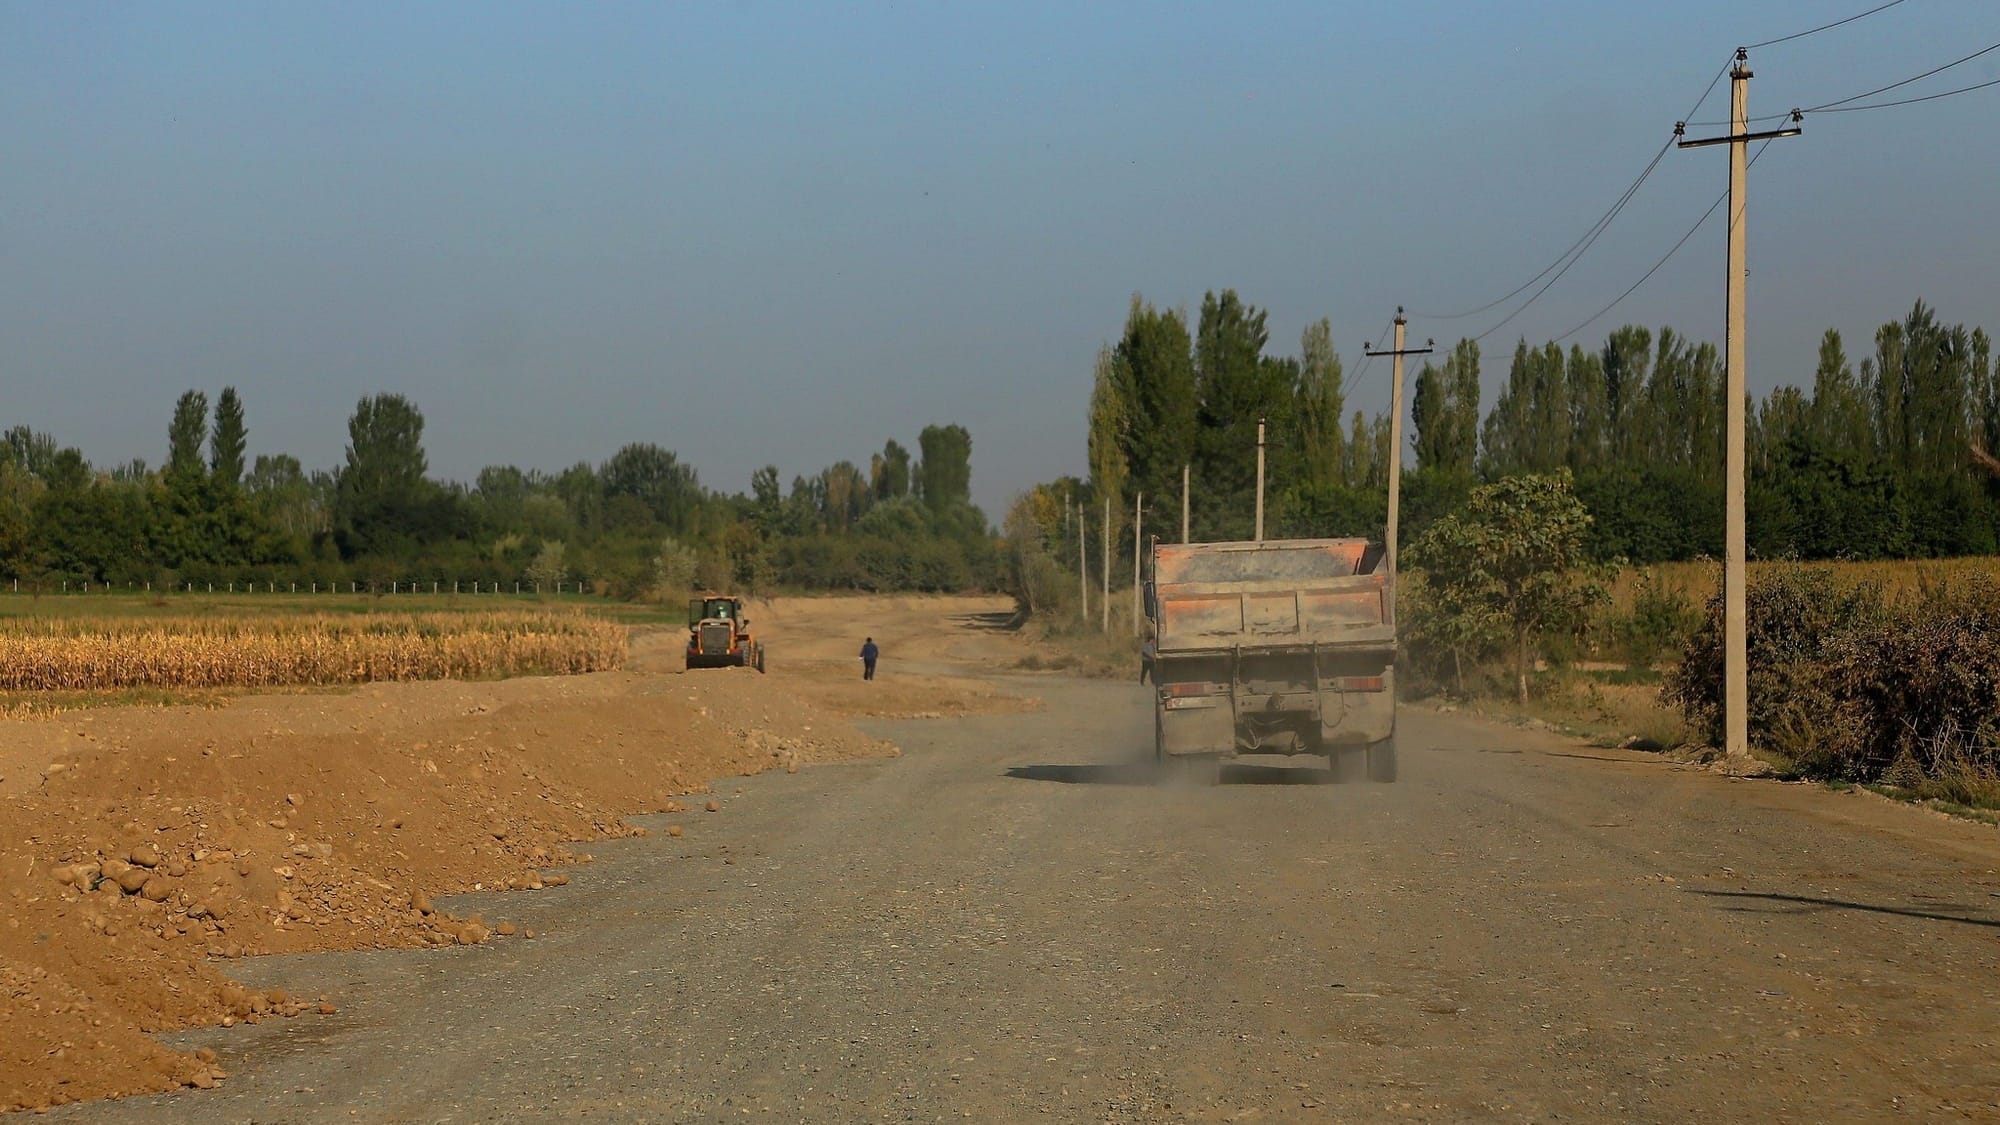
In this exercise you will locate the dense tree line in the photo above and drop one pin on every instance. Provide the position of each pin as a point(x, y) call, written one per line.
point(637, 521)
point(1166, 397)
point(1875, 459)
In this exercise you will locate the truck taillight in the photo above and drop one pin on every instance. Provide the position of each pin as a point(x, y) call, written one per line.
point(1361, 683)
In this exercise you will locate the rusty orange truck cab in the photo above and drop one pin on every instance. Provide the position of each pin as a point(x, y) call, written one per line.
point(719, 635)
point(1280, 647)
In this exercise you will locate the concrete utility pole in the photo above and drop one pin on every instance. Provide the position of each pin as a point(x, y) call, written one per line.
point(1260, 480)
point(1082, 569)
point(1138, 534)
point(1735, 610)
point(1107, 564)
point(1184, 504)
point(1396, 442)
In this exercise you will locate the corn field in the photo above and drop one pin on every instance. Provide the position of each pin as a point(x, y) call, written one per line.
point(306, 649)
point(1896, 577)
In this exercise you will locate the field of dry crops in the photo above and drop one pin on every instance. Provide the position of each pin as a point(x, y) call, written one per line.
point(1697, 580)
point(109, 654)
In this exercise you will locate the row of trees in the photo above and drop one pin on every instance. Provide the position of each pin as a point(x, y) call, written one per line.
point(1873, 460)
point(1165, 397)
point(904, 522)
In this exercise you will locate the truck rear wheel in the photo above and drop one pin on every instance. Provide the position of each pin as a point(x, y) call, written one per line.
point(1382, 760)
point(1349, 764)
point(1195, 769)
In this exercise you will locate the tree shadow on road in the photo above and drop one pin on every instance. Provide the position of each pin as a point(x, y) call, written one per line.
point(1147, 773)
point(1807, 904)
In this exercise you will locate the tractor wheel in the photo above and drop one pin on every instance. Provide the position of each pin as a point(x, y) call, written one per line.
point(760, 660)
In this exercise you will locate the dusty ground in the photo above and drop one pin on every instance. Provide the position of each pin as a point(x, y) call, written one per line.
point(140, 848)
point(1015, 920)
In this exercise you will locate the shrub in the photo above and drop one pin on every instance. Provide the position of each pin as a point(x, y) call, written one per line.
point(1514, 555)
point(1852, 687)
point(1449, 643)
point(1926, 685)
point(1802, 625)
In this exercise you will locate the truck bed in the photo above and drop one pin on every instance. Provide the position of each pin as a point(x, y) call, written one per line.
point(1286, 646)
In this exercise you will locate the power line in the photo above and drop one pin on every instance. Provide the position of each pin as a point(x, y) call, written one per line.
point(1823, 27)
point(1710, 88)
point(1575, 251)
point(1604, 225)
point(1911, 101)
point(1648, 275)
point(1589, 236)
point(1843, 105)
point(1746, 121)
point(1828, 106)
point(1347, 381)
point(1575, 248)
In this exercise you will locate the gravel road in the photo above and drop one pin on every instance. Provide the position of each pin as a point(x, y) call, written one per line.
point(1013, 921)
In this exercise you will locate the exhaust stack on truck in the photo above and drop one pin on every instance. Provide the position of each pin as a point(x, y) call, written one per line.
point(1278, 647)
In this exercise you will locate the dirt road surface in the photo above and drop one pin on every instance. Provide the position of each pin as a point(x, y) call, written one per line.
point(1015, 921)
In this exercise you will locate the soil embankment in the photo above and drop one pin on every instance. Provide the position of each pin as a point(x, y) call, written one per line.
point(143, 848)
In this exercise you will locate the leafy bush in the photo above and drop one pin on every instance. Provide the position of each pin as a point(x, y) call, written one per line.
point(1854, 688)
point(1513, 558)
point(1926, 685)
point(1802, 626)
point(1449, 643)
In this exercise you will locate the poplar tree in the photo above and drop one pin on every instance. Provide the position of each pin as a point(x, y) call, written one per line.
point(1322, 400)
point(185, 436)
point(946, 471)
point(1840, 415)
point(227, 443)
point(1154, 375)
point(1110, 415)
point(1625, 360)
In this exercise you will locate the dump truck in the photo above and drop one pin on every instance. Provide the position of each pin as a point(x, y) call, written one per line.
point(719, 635)
point(1277, 647)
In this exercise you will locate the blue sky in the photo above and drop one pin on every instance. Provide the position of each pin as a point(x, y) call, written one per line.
point(759, 232)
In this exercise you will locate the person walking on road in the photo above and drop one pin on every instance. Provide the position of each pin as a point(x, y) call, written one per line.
point(868, 655)
point(1147, 652)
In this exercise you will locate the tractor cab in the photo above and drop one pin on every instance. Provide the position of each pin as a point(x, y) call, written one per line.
point(713, 608)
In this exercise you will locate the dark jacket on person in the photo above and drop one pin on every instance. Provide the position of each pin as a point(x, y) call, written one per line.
point(869, 652)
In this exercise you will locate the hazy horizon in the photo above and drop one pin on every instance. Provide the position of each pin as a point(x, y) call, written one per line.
point(767, 233)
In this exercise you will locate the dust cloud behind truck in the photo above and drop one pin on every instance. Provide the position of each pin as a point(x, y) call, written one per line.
point(1277, 647)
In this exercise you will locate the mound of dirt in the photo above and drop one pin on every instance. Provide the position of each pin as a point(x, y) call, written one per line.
point(142, 847)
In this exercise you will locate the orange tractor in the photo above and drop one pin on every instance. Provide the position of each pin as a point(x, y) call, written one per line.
point(719, 635)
